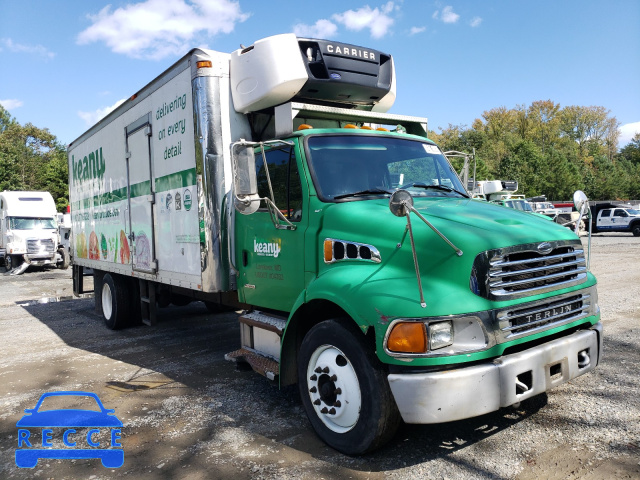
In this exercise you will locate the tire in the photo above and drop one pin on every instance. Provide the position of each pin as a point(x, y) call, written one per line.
point(344, 389)
point(635, 229)
point(66, 260)
point(12, 261)
point(115, 301)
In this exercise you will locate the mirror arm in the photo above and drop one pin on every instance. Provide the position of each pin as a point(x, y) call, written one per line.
point(266, 168)
point(456, 249)
point(277, 215)
point(423, 304)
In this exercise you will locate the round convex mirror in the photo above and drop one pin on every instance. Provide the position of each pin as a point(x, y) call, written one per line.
point(579, 199)
point(398, 202)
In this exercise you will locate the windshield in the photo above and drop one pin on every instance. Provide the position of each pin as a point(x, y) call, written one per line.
point(32, 223)
point(346, 166)
point(518, 205)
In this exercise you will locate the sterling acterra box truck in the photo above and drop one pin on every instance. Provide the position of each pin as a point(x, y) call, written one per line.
point(272, 180)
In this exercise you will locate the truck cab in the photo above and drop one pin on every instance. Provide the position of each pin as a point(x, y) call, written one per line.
point(273, 180)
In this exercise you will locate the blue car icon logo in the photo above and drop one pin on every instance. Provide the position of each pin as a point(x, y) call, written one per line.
point(66, 428)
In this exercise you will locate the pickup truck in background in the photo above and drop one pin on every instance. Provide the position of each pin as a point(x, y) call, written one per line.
point(615, 218)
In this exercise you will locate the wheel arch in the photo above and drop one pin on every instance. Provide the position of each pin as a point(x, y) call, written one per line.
point(305, 317)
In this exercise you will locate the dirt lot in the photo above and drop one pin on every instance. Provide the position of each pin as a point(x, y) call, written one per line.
point(187, 413)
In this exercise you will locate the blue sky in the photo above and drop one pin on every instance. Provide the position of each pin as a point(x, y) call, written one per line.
point(64, 64)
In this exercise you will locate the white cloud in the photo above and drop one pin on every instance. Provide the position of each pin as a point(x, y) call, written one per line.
point(11, 103)
point(377, 20)
point(627, 131)
point(91, 118)
point(447, 15)
point(160, 28)
point(321, 29)
point(416, 30)
point(475, 21)
point(30, 49)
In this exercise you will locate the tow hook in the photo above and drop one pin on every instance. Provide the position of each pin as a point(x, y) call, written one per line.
point(583, 359)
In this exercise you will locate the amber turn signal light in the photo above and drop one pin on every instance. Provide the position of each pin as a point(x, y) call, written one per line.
point(408, 337)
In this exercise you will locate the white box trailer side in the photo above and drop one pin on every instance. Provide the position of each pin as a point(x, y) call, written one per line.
point(147, 183)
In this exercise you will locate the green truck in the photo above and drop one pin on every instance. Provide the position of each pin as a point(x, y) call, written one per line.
point(273, 180)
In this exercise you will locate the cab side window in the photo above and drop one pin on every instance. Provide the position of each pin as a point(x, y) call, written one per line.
point(285, 181)
point(606, 213)
point(620, 213)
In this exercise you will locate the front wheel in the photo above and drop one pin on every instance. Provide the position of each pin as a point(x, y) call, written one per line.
point(12, 261)
point(635, 229)
point(344, 390)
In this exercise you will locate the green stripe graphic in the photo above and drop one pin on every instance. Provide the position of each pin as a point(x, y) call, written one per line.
point(185, 178)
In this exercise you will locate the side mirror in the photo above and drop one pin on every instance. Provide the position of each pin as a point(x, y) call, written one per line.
point(245, 184)
point(581, 202)
point(579, 199)
point(397, 202)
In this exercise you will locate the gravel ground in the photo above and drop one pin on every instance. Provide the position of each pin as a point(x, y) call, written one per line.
point(189, 414)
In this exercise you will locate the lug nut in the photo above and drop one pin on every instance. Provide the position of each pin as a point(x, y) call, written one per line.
point(337, 403)
point(324, 410)
point(337, 391)
point(313, 389)
point(317, 401)
point(325, 370)
point(318, 370)
point(313, 378)
point(334, 378)
point(332, 411)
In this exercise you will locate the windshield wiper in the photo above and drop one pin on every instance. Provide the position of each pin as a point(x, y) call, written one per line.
point(437, 187)
point(362, 192)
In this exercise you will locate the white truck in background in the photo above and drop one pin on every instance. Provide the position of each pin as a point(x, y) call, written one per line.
point(615, 218)
point(29, 231)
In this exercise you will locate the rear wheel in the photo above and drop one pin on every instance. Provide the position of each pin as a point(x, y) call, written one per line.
point(66, 260)
point(344, 390)
point(115, 301)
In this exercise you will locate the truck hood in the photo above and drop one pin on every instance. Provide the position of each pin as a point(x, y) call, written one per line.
point(471, 225)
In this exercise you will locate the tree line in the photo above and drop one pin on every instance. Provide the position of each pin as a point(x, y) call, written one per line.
point(549, 150)
point(32, 158)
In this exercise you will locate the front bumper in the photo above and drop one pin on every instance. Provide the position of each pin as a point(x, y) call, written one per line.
point(438, 397)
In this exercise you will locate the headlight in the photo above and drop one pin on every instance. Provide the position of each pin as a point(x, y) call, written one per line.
point(440, 335)
point(435, 336)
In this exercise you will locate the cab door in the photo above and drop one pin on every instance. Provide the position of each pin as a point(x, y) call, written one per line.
point(271, 259)
point(604, 220)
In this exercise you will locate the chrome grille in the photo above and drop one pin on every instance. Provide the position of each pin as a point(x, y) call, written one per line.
point(40, 247)
point(520, 271)
point(543, 315)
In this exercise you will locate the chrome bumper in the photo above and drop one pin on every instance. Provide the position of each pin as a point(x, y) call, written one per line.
point(467, 392)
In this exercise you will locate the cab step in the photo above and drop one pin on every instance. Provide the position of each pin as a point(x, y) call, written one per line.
point(265, 366)
point(260, 335)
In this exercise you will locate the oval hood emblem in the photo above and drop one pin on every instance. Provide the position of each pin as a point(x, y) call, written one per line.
point(545, 248)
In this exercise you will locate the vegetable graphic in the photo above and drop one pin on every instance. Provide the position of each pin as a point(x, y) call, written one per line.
point(81, 245)
point(94, 253)
point(125, 253)
point(103, 246)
